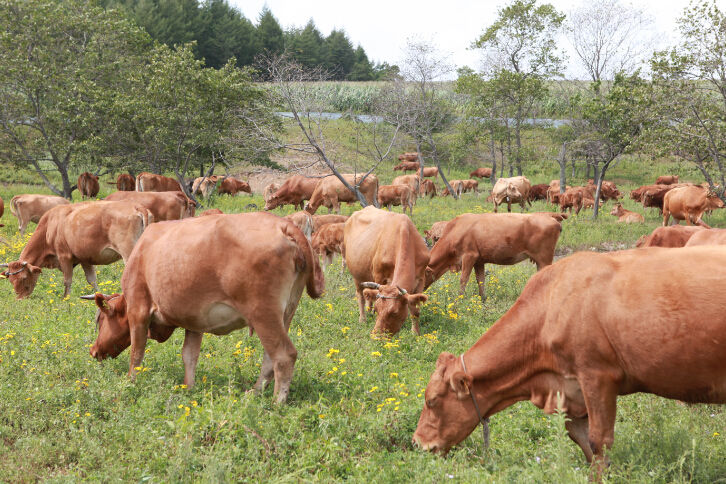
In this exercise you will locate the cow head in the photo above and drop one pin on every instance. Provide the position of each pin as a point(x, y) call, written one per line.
point(448, 416)
point(23, 276)
point(714, 201)
point(512, 192)
point(392, 305)
point(272, 202)
point(112, 323)
point(617, 210)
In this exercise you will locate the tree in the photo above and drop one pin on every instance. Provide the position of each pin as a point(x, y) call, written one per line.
point(339, 55)
point(269, 33)
point(362, 69)
point(225, 33)
point(306, 45)
point(520, 52)
point(609, 37)
point(59, 70)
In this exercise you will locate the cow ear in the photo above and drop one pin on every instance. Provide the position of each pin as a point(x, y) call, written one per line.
point(460, 383)
point(100, 300)
point(416, 299)
point(34, 269)
point(370, 294)
point(444, 359)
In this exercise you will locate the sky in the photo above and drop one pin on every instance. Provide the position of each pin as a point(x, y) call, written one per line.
point(382, 27)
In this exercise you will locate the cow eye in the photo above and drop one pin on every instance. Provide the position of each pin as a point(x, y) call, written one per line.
point(430, 402)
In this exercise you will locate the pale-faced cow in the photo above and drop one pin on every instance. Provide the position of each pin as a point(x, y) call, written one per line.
point(511, 190)
point(626, 216)
point(30, 207)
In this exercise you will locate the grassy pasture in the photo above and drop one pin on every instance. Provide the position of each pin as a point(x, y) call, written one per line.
point(354, 400)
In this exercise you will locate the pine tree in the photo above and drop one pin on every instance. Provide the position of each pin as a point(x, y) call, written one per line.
point(269, 33)
point(339, 55)
point(306, 45)
point(362, 69)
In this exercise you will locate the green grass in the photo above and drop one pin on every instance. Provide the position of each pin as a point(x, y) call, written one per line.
point(354, 400)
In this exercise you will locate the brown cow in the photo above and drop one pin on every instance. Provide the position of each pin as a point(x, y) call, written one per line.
point(672, 236)
point(470, 186)
point(427, 188)
point(407, 166)
point(302, 220)
point(575, 197)
point(30, 207)
point(88, 185)
point(511, 190)
point(211, 211)
point(538, 192)
point(233, 186)
point(626, 216)
point(608, 190)
point(387, 258)
point(456, 185)
point(270, 190)
point(472, 240)
point(412, 181)
point(88, 233)
point(436, 231)
point(330, 192)
point(149, 182)
point(430, 171)
point(125, 183)
point(409, 156)
point(223, 297)
point(553, 192)
point(395, 195)
point(204, 185)
point(162, 205)
point(294, 191)
point(555, 215)
point(574, 347)
point(688, 203)
point(667, 180)
point(2, 210)
point(481, 173)
point(328, 241)
point(322, 220)
point(653, 195)
point(708, 237)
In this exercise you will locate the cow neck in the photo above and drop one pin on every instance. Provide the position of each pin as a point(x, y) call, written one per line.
point(505, 362)
point(444, 259)
point(36, 250)
point(404, 272)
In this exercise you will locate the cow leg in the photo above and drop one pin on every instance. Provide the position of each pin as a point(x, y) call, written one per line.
point(509, 206)
point(467, 264)
point(281, 352)
point(267, 371)
point(666, 216)
point(23, 225)
point(190, 355)
point(66, 267)
point(481, 279)
point(601, 402)
point(90, 271)
point(139, 327)
point(495, 207)
point(577, 429)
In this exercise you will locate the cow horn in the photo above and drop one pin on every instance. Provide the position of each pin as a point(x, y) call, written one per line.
point(371, 285)
point(89, 297)
point(402, 291)
point(3, 265)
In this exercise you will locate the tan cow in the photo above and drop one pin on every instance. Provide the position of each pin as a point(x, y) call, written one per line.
point(397, 195)
point(387, 258)
point(322, 220)
point(511, 190)
point(427, 188)
point(456, 185)
point(708, 237)
point(330, 192)
point(688, 203)
point(626, 216)
point(435, 232)
point(232, 186)
point(430, 171)
point(270, 190)
point(671, 236)
point(408, 156)
point(573, 347)
point(204, 185)
point(667, 180)
point(481, 173)
point(328, 241)
point(125, 183)
point(149, 182)
point(30, 207)
point(553, 192)
point(88, 233)
point(412, 181)
point(162, 205)
point(211, 211)
point(407, 166)
point(88, 185)
point(304, 221)
point(470, 186)
point(224, 296)
point(472, 240)
point(294, 191)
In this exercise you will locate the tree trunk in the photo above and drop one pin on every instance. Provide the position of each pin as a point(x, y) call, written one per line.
point(438, 165)
point(599, 180)
point(573, 167)
point(518, 140)
point(587, 171)
point(562, 160)
point(493, 151)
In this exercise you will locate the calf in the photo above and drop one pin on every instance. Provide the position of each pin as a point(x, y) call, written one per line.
point(672, 236)
point(328, 241)
point(304, 221)
point(407, 166)
point(456, 185)
point(430, 171)
point(322, 220)
point(124, 183)
point(435, 232)
point(538, 192)
point(626, 216)
point(390, 195)
point(88, 185)
point(31, 207)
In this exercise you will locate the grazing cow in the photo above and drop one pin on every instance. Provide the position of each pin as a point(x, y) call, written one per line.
point(427, 188)
point(204, 185)
point(269, 191)
point(652, 195)
point(387, 258)
point(216, 295)
point(149, 182)
point(294, 191)
point(233, 186)
point(211, 211)
point(90, 234)
point(328, 241)
point(409, 156)
point(538, 192)
point(577, 198)
point(430, 171)
point(667, 180)
point(124, 183)
point(412, 181)
point(708, 237)
point(30, 207)
point(688, 203)
point(407, 166)
point(330, 192)
point(435, 232)
point(573, 347)
point(456, 185)
point(395, 195)
point(671, 236)
point(481, 173)
point(511, 190)
point(304, 221)
point(322, 220)
point(626, 216)
point(472, 240)
point(608, 190)
point(162, 205)
point(470, 186)
point(88, 185)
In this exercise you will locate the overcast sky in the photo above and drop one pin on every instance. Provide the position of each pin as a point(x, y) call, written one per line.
point(382, 26)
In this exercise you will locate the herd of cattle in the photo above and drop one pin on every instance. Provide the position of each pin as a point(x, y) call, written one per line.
point(584, 330)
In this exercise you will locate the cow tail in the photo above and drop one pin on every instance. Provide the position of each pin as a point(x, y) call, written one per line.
point(14, 205)
point(375, 196)
point(139, 187)
point(316, 281)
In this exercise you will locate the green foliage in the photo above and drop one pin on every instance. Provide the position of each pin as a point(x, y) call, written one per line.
point(270, 36)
